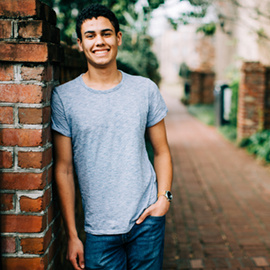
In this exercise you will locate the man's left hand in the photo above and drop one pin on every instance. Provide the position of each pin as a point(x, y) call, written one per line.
point(160, 208)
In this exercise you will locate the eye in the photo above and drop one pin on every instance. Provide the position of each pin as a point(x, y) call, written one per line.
point(89, 36)
point(107, 34)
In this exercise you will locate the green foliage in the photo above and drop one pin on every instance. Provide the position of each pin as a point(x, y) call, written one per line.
point(136, 48)
point(184, 70)
point(229, 132)
point(204, 112)
point(234, 105)
point(259, 145)
point(135, 55)
point(208, 29)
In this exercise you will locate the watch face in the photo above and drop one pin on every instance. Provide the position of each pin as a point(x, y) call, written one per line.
point(169, 195)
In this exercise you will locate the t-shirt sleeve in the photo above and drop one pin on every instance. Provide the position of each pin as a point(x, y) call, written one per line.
point(58, 116)
point(157, 109)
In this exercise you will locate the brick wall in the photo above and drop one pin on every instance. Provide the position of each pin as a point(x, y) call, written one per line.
point(254, 100)
point(201, 87)
point(32, 63)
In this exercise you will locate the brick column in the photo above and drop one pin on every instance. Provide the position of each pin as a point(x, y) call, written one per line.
point(202, 87)
point(195, 88)
point(29, 69)
point(252, 99)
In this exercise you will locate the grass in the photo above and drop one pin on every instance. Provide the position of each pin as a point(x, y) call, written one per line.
point(229, 132)
point(204, 112)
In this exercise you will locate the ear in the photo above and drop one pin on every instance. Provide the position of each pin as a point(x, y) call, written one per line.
point(119, 38)
point(80, 44)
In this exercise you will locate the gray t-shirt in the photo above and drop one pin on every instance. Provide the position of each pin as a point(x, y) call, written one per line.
point(107, 127)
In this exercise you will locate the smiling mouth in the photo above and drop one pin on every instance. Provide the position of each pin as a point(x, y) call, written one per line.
point(101, 51)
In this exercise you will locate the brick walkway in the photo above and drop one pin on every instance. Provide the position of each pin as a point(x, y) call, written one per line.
point(220, 215)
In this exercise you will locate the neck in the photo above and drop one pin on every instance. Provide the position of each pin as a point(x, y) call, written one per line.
point(102, 78)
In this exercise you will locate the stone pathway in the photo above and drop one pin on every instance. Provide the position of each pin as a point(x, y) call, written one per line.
point(220, 215)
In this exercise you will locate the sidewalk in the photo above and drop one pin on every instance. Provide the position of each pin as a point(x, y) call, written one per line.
point(220, 214)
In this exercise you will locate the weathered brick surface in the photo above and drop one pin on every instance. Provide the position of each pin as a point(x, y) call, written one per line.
point(32, 63)
point(34, 115)
point(6, 115)
point(6, 159)
point(7, 201)
point(219, 217)
point(5, 29)
point(6, 72)
point(21, 137)
point(28, 204)
point(36, 245)
point(14, 8)
point(253, 103)
point(29, 52)
point(23, 181)
point(39, 29)
point(24, 263)
point(39, 73)
point(23, 93)
point(8, 245)
point(23, 223)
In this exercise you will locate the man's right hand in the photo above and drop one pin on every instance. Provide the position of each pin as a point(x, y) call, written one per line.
point(75, 253)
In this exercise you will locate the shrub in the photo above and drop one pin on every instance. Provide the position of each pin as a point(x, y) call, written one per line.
point(258, 144)
point(234, 103)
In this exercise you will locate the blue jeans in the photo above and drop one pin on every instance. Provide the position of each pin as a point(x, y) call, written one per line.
point(140, 249)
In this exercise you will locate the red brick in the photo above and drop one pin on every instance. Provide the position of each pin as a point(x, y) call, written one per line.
point(30, 115)
point(6, 72)
point(39, 29)
point(5, 29)
point(33, 72)
point(36, 160)
point(34, 115)
point(8, 245)
point(21, 137)
point(6, 200)
point(18, 8)
point(6, 159)
point(35, 205)
point(29, 52)
point(36, 245)
point(24, 263)
point(23, 223)
point(6, 115)
point(22, 93)
point(30, 29)
point(23, 181)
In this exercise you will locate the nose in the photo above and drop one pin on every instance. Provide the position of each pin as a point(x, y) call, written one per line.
point(99, 40)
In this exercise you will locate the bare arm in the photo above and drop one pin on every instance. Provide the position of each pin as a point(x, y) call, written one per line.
point(65, 185)
point(163, 168)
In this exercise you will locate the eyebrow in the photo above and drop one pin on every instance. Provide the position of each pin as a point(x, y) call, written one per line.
point(102, 31)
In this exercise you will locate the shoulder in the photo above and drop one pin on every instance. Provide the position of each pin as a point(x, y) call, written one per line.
point(68, 87)
point(140, 81)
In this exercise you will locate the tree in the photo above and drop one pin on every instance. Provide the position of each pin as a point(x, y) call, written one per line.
point(135, 56)
point(255, 10)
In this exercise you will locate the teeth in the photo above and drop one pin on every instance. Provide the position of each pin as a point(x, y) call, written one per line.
point(100, 52)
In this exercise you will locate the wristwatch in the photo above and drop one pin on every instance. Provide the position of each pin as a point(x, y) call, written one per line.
point(167, 194)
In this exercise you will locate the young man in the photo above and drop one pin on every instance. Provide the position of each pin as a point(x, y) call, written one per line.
point(99, 121)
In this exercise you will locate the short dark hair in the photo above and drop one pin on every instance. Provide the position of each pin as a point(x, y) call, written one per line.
point(95, 11)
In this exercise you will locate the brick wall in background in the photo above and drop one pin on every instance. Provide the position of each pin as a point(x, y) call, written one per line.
point(202, 87)
point(254, 100)
point(32, 62)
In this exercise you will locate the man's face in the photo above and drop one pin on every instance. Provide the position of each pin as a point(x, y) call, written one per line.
point(99, 42)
